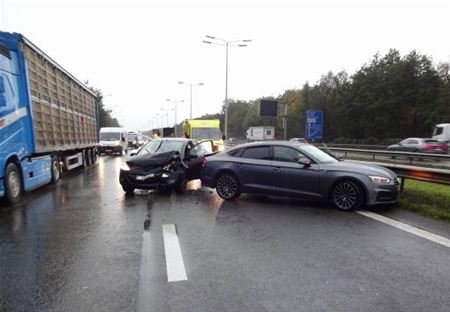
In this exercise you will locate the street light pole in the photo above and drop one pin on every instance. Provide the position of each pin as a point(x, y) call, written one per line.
point(190, 84)
point(175, 106)
point(226, 43)
point(226, 92)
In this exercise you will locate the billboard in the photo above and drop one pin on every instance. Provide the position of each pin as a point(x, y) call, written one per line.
point(268, 108)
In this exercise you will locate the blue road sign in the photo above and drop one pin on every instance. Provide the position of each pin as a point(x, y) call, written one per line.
point(314, 124)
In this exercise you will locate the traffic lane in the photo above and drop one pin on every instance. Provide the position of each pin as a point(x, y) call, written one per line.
point(74, 246)
point(271, 254)
point(431, 225)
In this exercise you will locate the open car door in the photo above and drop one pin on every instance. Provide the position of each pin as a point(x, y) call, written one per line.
point(195, 157)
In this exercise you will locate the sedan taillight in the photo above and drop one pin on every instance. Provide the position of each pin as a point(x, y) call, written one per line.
point(204, 163)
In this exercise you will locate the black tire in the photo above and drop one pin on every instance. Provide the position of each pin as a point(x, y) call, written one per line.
point(347, 195)
point(86, 158)
point(165, 190)
point(93, 154)
point(13, 184)
point(55, 169)
point(128, 188)
point(228, 186)
point(180, 186)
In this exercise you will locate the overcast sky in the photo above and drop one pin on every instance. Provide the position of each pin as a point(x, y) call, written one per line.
point(137, 51)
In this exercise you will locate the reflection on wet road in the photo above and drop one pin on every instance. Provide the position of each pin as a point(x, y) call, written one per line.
point(82, 245)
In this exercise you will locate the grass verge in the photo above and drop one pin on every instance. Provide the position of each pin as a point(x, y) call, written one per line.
point(426, 198)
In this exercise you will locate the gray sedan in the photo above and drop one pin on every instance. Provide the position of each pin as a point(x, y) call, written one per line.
point(298, 170)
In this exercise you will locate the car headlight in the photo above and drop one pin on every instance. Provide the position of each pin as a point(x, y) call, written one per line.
point(379, 180)
point(125, 167)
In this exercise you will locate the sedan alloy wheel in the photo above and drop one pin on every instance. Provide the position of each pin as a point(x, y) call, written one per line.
point(228, 187)
point(347, 195)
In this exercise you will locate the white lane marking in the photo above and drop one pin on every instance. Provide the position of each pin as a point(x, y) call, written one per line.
point(407, 228)
point(174, 260)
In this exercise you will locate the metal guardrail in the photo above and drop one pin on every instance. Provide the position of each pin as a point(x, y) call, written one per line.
point(374, 153)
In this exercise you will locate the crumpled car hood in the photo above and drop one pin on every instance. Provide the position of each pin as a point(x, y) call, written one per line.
point(149, 161)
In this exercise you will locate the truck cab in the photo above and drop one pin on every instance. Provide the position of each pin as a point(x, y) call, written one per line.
point(201, 130)
point(441, 132)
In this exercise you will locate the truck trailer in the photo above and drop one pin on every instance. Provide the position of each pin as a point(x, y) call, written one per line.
point(261, 133)
point(48, 119)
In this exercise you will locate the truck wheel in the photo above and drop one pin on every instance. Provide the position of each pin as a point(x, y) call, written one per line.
point(86, 158)
point(13, 184)
point(92, 156)
point(55, 169)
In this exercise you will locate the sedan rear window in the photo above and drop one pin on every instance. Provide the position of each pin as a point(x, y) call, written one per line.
point(259, 152)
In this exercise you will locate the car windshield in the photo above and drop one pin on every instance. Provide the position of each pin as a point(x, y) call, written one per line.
point(205, 133)
point(109, 136)
point(318, 154)
point(162, 146)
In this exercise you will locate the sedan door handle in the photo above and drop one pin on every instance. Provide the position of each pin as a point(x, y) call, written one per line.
point(241, 165)
point(277, 169)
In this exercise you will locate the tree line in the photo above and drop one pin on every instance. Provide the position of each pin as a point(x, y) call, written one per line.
point(104, 115)
point(388, 98)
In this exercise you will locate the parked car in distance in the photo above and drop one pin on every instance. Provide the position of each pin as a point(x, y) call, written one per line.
point(301, 140)
point(164, 165)
point(419, 145)
point(298, 170)
point(135, 140)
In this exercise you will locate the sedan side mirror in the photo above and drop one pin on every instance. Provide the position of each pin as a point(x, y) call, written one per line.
point(305, 162)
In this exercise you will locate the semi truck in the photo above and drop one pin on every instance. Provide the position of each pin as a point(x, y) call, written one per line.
point(441, 132)
point(204, 129)
point(48, 119)
point(260, 133)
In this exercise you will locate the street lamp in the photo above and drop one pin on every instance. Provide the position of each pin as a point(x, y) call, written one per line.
point(167, 110)
point(223, 42)
point(175, 102)
point(190, 84)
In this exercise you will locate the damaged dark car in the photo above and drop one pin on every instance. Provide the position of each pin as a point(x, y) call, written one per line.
point(164, 165)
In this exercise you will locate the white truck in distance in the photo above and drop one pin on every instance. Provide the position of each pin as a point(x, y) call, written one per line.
point(261, 133)
point(441, 132)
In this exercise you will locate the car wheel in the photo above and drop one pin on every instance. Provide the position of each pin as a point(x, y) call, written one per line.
point(13, 184)
point(165, 190)
point(180, 186)
point(227, 186)
point(55, 169)
point(347, 195)
point(128, 188)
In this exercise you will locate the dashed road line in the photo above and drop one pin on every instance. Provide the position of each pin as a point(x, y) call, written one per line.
point(174, 261)
point(407, 228)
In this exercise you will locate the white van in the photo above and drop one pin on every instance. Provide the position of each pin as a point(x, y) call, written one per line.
point(113, 140)
point(441, 132)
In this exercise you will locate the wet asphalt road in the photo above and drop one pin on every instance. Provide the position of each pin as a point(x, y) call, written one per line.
point(82, 245)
